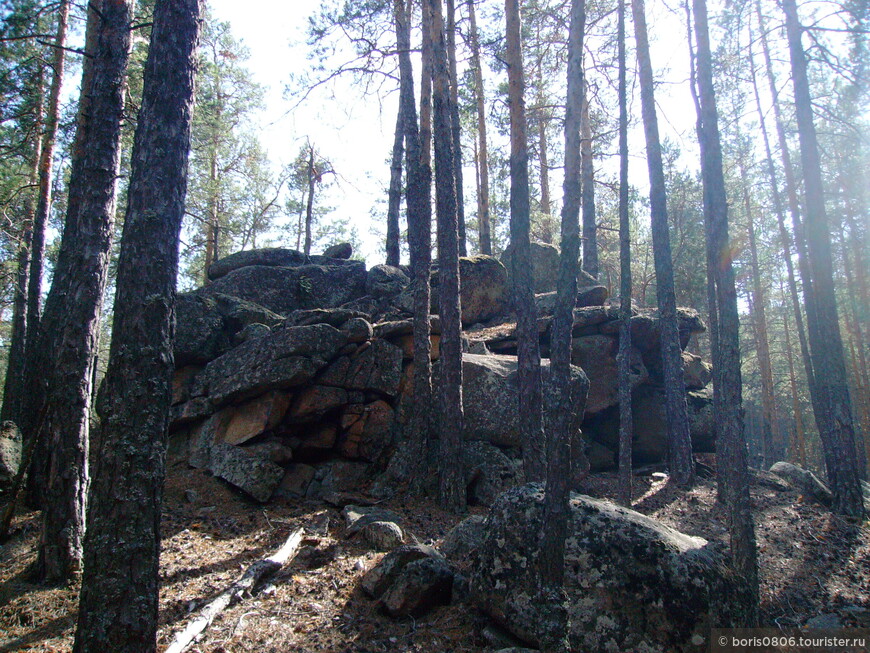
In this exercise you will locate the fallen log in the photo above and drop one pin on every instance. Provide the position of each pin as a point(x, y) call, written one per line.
point(256, 572)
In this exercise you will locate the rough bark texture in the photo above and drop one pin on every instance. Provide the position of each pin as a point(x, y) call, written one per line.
point(455, 126)
point(60, 383)
point(483, 224)
point(835, 421)
point(679, 444)
point(395, 193)
point(590, 230)
point(410, 462)
point(559, 454)
point(731, 442)
point(624, 356)
point(46, 165)
point(452, 483)
point(309, 207)
point(528, 348)
point(118, 604)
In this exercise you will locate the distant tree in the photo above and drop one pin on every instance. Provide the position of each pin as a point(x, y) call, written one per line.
point(455, 124)
point(59, 381)
point(587, 172)
point(450, 419)
point(679, 442)
point(119, 596)
point(395, 192)
point(528, 352)
point(834, 413)
point(483, 220)
point(731, 443)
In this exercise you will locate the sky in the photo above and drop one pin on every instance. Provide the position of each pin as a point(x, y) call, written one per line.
point(356, 133)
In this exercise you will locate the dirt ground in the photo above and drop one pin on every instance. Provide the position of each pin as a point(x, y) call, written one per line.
point(812, 563)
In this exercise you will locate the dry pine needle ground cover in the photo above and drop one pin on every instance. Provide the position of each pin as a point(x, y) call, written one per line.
point(812, 563)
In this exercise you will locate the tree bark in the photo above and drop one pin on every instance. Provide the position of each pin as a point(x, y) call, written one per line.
point(46, 165)
point(60, 382)
point(309, 207)
point(590, 230)
point(412, 466)
point(626, 426)
point(559, 441)
point(395, 193)
point(118, 602)
point(679, 443)
point(483, 222)
point(835, 423)
point(455, 126)
point(452, 481)
point(731, 443)
point(797, 413)
point(528, 347)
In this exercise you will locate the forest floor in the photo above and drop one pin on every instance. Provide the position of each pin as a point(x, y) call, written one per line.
point(812, 563)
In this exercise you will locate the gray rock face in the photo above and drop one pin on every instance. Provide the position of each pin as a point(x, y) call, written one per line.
point(286, 289)
point(386, 281)
point(339, 250)
point(271, 256)
point(254, 474)
point(804, 481)
point(377, 368)
point(596, 355)
point(10, 453)
point(696, 372)
point(491, 403)
point(631, 582)
point(410, 580)
point(284, 358)
point(483, 289)
point(545, 266)
point(207, 326)
point(464, 539)
point(488, 472)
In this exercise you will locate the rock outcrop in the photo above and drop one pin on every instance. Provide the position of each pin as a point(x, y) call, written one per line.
point(293, 373)
point(631, 582)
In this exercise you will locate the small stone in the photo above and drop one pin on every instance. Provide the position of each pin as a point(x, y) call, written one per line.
point(383, 535)
point(421, 585)
point(190, 496)
point(824, 621)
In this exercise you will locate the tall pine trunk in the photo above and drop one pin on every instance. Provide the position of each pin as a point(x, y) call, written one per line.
point(676, 409)
point(452, 481)
point(528, 347)
point(733, 465)
point(409, 465)
point(60, 383)
point(395, 193)
point(835, 421)
point(455, 125)
point(626, 426)
point(559, 454)
point(483, 222)
point(119, 596)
